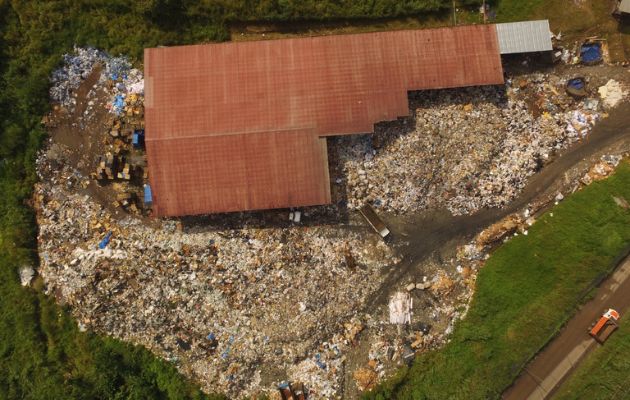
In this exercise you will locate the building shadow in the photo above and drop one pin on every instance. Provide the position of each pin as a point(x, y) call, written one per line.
point(342, 152)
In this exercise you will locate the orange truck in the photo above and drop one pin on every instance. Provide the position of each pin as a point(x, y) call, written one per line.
point(605, 326)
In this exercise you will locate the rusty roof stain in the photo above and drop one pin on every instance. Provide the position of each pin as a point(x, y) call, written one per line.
point(241, 126)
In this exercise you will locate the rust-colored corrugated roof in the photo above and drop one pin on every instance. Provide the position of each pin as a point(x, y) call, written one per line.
point(238, 126)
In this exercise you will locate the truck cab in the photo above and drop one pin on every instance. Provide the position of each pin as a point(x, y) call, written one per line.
point(605, 326)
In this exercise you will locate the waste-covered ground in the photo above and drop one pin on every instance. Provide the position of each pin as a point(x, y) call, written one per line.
point(241, 302)
point(472, 148)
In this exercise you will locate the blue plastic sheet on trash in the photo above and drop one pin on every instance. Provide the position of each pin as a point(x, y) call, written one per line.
point(148, 195)
point(226, 353)
point(105, 241)
point(318, 361)
point(576, 83)
point(137, 139)
point(591, 52)
point(119, 103)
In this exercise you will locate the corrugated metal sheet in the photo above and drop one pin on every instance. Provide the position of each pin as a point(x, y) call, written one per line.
point(524, 37)
point(238, 126)
point(238, 172)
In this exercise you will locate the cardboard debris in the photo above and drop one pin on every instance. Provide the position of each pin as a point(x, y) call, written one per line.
point(365, 378)
point(400, 307)
point(499, 230)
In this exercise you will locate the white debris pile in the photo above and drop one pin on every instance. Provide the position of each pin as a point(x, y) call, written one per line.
point(26, 275)
point(612, 93)
point(465, 149)
point(77, 66)
point(400, 307)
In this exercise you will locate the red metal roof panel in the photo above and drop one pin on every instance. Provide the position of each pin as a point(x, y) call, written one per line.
point(232, 98)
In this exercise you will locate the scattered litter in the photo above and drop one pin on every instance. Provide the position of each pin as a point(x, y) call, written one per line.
point(601, 170)
point(621, 202)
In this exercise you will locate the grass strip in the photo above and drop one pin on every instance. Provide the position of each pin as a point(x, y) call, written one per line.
point(528, 288)
point(605, 373)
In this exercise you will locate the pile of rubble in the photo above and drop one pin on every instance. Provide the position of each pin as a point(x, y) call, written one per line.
point(79, 64)
point(271, 298)
point(468, 149)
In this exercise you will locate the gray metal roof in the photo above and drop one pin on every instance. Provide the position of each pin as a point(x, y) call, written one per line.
point(524, 37)
point(624, 7)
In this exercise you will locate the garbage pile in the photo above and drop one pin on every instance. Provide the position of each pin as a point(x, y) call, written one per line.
point(76, 68)
point(601, 170)
point(471, 148)
point(271, 298)
point(79, 64)
point(242, 307)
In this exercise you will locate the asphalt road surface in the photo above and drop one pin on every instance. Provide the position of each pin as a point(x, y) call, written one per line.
point(555, 363)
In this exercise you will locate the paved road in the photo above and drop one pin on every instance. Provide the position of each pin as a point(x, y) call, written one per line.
point(555, 363)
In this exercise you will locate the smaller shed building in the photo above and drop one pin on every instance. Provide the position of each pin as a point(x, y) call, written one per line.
point(524, 37)
point(623, 8)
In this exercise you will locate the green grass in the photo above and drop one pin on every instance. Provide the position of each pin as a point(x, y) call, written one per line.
point(605, 373)
point(528, 288)
point(518, 10)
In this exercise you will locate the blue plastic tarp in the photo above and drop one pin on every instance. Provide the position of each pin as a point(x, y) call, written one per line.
point(105, 241)
point(119, 103)
point(577, 83)
point(137, 139)
point(591, 52)
point(148, 195)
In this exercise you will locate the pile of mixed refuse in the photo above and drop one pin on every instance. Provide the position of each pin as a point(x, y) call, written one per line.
point(472, 148)
point(78, 65)
point(242, 306)
point(227, 306)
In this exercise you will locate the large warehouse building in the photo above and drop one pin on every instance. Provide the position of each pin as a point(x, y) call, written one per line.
point(243, 126)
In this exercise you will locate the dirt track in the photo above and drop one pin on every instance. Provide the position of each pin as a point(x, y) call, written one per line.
point(554, 364)
point(431, 231)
